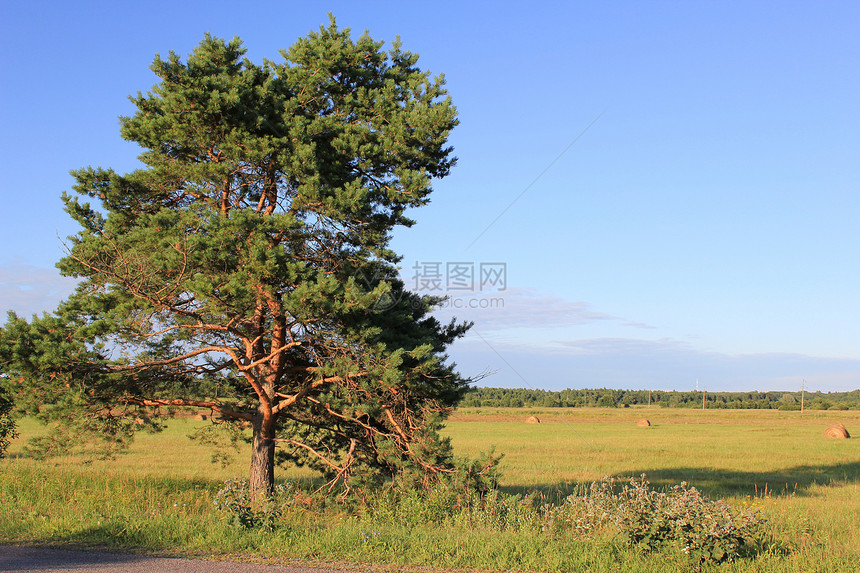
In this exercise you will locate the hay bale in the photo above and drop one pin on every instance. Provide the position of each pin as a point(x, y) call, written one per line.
point(532, 420)
point(836, 431)
point(200, 417)
point(643, 423)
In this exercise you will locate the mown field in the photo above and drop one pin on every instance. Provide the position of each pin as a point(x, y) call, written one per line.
point(159, 496)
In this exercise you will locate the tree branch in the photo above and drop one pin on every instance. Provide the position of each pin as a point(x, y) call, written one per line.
point(225, 410)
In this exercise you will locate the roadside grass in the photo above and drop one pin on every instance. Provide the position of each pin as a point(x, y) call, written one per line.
point(159, 496)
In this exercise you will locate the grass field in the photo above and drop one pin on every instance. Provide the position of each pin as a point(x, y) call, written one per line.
point(158, 497)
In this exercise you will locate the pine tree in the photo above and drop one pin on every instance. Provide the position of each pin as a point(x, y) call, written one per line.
point(246, 268)
point(8, 428)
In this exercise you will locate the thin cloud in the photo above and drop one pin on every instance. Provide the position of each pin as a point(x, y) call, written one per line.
point(517, 308)
point(30, 290)
point(639, 325)
point(664, 363)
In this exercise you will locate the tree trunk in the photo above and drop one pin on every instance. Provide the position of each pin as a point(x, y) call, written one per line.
point(263, 457)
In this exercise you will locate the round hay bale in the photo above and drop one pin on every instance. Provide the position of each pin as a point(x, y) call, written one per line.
point(836, 431)
point(643, 423)
point(532, 420)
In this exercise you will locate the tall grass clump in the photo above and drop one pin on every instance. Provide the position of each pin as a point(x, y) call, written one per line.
point(234, 500)
point(679, 519)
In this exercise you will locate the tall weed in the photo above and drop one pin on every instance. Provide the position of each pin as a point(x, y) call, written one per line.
point(680, 519)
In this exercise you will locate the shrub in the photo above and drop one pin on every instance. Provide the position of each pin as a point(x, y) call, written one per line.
point(234, 500)
point(680, 517)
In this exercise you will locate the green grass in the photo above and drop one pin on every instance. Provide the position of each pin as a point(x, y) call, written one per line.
point(158, 497)
point(724, 452)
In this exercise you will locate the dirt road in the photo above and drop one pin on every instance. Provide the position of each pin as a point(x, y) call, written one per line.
point(46, 559)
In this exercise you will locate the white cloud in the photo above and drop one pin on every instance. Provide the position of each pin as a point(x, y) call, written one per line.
point(519, 308)
point(638, 325)
point(29, 290)
point(639, 364)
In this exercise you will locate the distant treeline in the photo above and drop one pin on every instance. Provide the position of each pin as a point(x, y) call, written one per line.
point(605, 397)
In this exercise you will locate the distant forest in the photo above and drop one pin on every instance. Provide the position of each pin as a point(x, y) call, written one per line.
point(605, 397)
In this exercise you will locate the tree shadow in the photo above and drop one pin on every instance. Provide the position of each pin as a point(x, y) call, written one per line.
point(798, 480)
point(40, 558)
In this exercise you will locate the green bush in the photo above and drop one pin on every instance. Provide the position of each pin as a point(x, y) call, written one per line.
point(681, 517)
point(235, 501)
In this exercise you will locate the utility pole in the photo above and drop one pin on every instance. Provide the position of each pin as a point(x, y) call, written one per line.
point(704, 391)
point(802, 393)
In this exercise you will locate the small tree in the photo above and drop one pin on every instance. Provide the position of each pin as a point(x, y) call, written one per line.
point(246, 268)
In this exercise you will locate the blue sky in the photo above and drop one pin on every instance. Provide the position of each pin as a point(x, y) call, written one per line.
point(672, 187)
